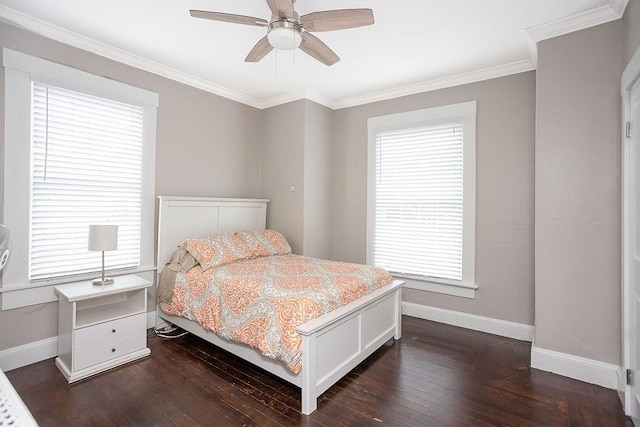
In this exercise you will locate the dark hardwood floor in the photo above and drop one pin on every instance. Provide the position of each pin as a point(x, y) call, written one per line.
point(436, 375)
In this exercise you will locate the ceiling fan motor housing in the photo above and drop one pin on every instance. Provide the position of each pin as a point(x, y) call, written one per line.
point(285, 34)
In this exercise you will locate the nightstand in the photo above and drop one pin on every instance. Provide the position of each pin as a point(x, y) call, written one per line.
point(101, 327)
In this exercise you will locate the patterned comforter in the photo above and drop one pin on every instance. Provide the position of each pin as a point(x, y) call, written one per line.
point(261, 301)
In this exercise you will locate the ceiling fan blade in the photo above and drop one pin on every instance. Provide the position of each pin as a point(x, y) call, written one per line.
point(341, 19)
point(312, 46)
point(259, 51)
point(228, 17)
point(281, 8)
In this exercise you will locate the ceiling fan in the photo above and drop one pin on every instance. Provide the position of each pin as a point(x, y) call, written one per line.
point(287, 30)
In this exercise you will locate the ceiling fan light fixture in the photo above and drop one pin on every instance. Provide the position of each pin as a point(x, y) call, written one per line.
point(284, 35)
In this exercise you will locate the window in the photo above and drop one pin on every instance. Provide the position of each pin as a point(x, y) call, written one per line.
point(79, 150)
point(421, 198)
point(86, 168)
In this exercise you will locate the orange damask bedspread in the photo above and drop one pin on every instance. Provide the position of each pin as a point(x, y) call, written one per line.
point(261, 301)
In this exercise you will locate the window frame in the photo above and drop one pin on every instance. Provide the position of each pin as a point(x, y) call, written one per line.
point(465, 112)
point(20, 70)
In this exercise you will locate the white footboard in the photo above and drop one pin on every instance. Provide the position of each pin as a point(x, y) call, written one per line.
point(332, 345)
point(337, 342)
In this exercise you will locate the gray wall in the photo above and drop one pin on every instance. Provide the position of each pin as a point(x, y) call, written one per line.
point(317, 180)
point(296, 144)
point(282, 165)
point(577, 233)
point(206, 146)
point(631, 21)
point(505, 192)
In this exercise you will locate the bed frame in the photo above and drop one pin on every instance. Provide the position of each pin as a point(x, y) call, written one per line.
point(332, 345)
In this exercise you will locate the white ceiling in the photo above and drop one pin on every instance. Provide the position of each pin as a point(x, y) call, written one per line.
point(415, 45)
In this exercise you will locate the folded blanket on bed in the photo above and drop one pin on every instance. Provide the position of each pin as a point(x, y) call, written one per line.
point(181, 261)
point(261, 301)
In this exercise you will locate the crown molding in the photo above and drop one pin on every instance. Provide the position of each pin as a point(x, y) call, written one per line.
point(600, 15)
point(425, 86)
point(322, 100)
point(285, 98)
point(445, 82)
point(532, 46)
point(62, 35)
point(618, 6)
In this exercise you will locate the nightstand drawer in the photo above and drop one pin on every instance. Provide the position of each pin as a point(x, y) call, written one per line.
point(107, 331)
point(105, 351)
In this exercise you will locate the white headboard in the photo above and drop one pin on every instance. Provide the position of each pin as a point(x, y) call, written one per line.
point(182, 218)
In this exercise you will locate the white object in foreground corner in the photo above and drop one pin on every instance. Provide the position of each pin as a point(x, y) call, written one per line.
point(13, 411)
point(5, 245)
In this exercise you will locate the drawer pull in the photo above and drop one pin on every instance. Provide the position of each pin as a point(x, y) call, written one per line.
point(113, 331)
point(113, 350)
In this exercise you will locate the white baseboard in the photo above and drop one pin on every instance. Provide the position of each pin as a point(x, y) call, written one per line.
point(23, 355)
point(622, 381)
point(499, 327)
point(579, 368)
point(576, 367)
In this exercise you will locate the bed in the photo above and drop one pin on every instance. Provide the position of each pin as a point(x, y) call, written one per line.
point(332, 344)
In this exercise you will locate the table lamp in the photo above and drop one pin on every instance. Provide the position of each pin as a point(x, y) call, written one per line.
point(103, 238)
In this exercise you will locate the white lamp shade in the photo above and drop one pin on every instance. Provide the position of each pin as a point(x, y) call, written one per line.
point(103, 237)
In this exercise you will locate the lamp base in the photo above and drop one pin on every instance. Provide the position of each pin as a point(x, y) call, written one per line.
point(102, 282)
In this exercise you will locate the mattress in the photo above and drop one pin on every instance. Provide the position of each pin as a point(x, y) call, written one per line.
point(261, 301)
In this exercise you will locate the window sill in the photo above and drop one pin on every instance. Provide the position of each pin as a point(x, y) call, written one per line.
point(41, 293)
point(464, 290)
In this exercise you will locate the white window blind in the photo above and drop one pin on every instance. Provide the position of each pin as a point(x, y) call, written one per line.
point(421, 194)
point(86, 168)
point(419, 200)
